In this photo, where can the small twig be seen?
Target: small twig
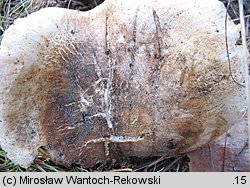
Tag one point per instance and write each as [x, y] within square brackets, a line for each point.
[211, 157]
[228, 57]
[243, 148]
[185, 169]
[238, 19]
[178, 167]
[224, 154]
[233, 9]
[172, 164]
[122, 170]
[164, 157]
[40, 168]
[247, 25]
[244, 44]
[69, 3]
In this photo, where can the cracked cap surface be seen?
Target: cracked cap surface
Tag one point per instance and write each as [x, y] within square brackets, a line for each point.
[124, 79]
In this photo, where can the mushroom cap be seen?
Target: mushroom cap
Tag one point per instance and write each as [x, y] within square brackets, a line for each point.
[128, 78]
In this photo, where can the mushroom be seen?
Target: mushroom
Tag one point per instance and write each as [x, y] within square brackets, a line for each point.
[128, 78]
